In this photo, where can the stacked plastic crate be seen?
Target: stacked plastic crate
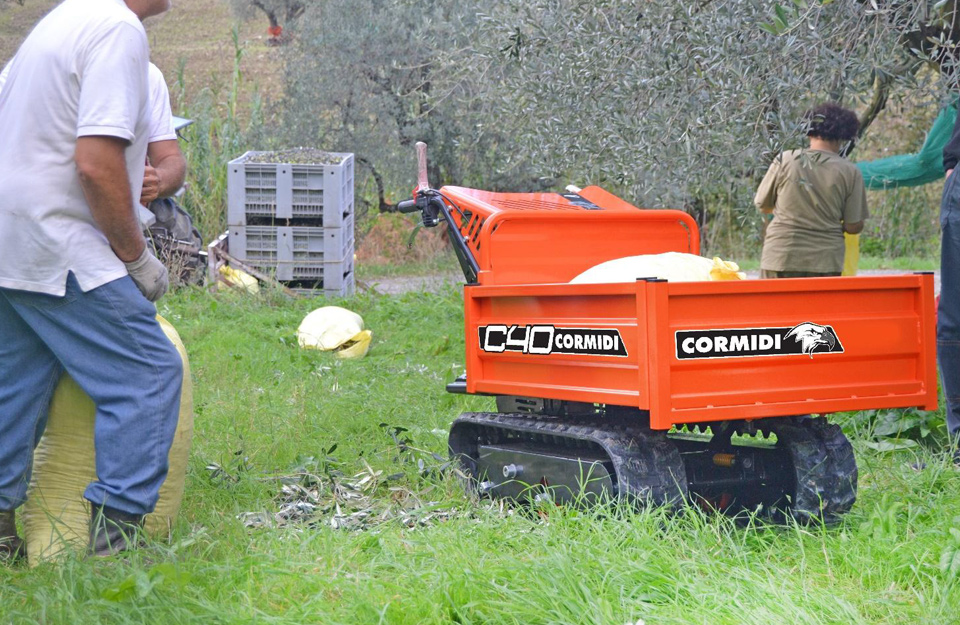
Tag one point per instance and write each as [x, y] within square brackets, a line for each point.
[290, 215]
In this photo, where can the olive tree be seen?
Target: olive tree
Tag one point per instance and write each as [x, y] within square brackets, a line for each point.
[373, 77]
[684, 103]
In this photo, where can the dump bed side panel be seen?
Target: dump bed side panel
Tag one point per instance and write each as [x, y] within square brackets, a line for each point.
[837, 344]
[708, 351]
[512, 336]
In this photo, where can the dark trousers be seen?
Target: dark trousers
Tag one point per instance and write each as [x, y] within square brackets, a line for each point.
[948, 314]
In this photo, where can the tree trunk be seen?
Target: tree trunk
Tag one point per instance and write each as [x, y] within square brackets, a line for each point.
[382, 205]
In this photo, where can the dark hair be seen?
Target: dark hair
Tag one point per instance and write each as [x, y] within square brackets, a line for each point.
[831, 122]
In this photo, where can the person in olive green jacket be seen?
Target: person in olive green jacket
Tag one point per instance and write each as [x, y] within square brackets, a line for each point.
[815, 196]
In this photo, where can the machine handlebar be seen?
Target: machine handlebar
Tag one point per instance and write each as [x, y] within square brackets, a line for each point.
[408, 206]
[433, 210]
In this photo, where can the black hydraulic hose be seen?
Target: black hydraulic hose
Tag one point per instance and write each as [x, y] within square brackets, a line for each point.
[463, 250]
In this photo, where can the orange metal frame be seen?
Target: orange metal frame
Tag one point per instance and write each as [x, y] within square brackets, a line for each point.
[530, 245]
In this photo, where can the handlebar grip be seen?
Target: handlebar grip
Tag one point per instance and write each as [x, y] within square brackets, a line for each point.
[422, 183]
[407, 206]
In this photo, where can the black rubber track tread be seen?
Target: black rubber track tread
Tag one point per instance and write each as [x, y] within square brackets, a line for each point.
[825, 470]
[647, 464]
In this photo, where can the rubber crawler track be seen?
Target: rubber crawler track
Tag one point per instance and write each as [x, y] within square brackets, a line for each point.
[825, 470]
[649, 467]
[647, 464]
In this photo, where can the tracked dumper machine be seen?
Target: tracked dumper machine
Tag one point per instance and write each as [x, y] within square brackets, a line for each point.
[657, 391]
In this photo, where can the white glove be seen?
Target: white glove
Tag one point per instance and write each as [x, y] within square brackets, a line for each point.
[149, 275]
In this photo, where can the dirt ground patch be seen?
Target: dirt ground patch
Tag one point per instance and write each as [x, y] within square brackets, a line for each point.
[197, 35]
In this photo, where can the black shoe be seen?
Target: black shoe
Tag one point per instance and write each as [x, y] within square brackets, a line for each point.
[12, 548]
[956, 458]
[113, 531]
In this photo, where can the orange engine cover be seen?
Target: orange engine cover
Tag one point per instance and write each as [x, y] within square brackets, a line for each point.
[544, 238]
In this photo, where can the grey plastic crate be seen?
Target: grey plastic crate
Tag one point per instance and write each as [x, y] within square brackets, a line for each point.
[264, 193]
[347, 289]
[295, 252]
[328, 276]
[292, 242]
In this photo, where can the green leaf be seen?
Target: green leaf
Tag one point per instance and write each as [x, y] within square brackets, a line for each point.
[890, 445]
[770, 28]
[950, 563]
[413, 235]
[782, 16]
[130, 587]
[144, 584]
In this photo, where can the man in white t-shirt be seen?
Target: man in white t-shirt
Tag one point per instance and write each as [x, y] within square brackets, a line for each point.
[166, 167]
[76, 280]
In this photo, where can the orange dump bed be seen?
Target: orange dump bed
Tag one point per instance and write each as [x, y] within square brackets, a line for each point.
[687, 352]
[709, 351]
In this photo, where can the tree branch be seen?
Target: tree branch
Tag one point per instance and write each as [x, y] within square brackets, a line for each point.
[881, 91]
[384, 206]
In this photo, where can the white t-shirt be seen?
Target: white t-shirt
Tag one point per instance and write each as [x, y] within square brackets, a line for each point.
[161, 117]
[81, 72]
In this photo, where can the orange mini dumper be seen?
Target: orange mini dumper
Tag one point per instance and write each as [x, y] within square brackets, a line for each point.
[665, 392]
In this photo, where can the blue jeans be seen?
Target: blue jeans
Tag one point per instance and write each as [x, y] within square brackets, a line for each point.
[109, 341]
[948, 314]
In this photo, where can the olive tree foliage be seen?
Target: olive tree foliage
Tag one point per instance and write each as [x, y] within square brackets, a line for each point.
[373, 77]
[680, 103]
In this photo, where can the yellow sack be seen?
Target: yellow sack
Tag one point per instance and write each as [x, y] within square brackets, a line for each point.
[240, 280]
[726, 270]
[851, 255]
[56, 516]
[334, 328]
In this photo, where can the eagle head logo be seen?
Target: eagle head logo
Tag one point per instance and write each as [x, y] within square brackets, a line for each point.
[812, 336]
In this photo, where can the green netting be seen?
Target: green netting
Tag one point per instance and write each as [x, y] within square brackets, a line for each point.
[910, 170]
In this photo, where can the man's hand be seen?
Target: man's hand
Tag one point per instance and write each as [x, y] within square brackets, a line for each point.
[149, 275]
[949, 171]
[151, 185]
[169, 165]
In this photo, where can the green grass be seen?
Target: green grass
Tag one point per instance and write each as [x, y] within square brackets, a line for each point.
[904, 263]
[445, 263]
[263, 405]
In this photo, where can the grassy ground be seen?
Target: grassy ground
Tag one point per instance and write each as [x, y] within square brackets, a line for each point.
[265, 408]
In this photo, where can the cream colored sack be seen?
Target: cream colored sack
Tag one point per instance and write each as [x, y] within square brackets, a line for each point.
[335, 328]
[56, 515]
[672, 266]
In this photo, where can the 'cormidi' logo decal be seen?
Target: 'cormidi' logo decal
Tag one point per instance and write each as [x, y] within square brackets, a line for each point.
[548, 339]
[805, 338]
